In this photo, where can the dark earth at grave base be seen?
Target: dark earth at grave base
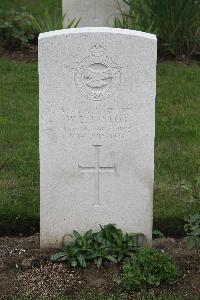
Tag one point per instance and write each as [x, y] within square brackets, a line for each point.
[29, 53]
[26, 54]
[26, 271]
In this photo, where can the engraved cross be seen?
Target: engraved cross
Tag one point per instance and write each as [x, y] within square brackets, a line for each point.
[97, 170]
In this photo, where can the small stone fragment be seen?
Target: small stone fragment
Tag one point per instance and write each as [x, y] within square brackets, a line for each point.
[27, 263]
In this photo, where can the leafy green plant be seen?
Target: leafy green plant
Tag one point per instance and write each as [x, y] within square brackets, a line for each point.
[19, 28]
[50, 23]
[176, 24]
[132, 19]
[157, 234]
[192, 189]
[15, 28]
[192, 229]
[107, 244]
[149, 267]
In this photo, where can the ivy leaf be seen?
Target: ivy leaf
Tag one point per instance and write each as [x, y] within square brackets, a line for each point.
[73, 262]
[99, 262]
[190, 242]
[81, 260]
[88, 234]
[60, 255]
[77, 235]
[111, 258]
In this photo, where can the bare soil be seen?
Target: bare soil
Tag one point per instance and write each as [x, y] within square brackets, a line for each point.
[29, 53]
[25, 271]
[26, 54]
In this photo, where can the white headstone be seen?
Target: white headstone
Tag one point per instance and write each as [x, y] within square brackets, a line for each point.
[97, 102]
[93, 12]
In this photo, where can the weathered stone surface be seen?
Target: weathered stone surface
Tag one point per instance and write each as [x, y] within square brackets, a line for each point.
[93, 13]
[97, 109]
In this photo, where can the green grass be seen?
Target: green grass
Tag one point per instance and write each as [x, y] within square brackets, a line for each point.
[19, 180]
[36, 7]
[177, 145]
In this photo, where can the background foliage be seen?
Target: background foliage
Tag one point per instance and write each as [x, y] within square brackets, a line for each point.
[50, 22]
[15, 28]
[192, 229]
[36, 7]
[175, 22]
[18, 28]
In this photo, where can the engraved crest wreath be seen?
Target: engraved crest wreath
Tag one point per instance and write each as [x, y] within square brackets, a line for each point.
[98, 77]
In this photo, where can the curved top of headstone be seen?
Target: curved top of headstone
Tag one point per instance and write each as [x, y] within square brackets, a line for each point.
[97, 30]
